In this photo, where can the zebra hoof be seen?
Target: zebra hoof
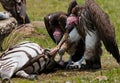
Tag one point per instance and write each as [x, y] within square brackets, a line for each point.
[32, 77]
[6, 80]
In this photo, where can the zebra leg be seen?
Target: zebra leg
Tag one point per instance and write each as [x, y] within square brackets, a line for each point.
[61, 53]
[23, 74]
[7, 70]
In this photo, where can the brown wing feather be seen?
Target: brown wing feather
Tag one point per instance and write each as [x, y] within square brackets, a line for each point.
[62, 21]
[24, 1]
[72, 4]
[104, 27]
[48, 27]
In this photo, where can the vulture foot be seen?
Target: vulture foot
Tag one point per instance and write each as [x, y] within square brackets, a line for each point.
[75, 65]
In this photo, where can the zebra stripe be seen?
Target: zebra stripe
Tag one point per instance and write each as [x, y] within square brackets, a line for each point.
[16, 49]
[25, 56]
[33, 49]
[28, 55]
[23, 50]
[38, 65]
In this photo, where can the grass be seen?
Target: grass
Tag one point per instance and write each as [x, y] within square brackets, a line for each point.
[37, 9]
[109, 73]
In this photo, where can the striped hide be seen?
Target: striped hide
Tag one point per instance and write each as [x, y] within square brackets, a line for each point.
[23, 60]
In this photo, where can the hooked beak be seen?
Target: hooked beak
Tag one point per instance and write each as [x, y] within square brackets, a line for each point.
[64, 38]
[69, 28]
[66, 27]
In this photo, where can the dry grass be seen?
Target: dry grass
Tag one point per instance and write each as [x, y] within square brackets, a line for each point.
[108, 74]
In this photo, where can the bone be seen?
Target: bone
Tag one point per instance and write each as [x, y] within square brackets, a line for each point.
[64, 38]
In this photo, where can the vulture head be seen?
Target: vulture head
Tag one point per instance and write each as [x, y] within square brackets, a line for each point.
[71, 22]
[75, 19]
[17, 8]
[55, 25]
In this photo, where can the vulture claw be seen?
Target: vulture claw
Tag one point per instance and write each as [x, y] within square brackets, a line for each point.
[74, 66]
[77, 65]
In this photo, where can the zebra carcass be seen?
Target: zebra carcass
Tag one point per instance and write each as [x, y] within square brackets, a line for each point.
[24, 60]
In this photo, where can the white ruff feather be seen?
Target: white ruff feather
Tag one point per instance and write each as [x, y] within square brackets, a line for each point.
[74, 35]
[91, 39]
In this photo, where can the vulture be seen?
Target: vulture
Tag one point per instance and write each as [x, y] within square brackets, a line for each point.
[17, 8]
[94, 26]
[56, 25]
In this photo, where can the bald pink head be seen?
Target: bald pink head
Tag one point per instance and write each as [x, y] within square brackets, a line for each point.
[71, 21]
[57, 34]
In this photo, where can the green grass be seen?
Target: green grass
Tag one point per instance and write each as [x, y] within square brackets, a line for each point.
[37, 9]
[44, 40]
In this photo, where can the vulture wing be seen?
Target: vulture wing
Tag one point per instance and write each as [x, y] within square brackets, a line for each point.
[48, 26]
[72, 4]
[24, 1]
[104, 27]
[62, 21]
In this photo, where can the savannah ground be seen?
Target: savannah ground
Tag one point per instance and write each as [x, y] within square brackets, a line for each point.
[110, 72]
